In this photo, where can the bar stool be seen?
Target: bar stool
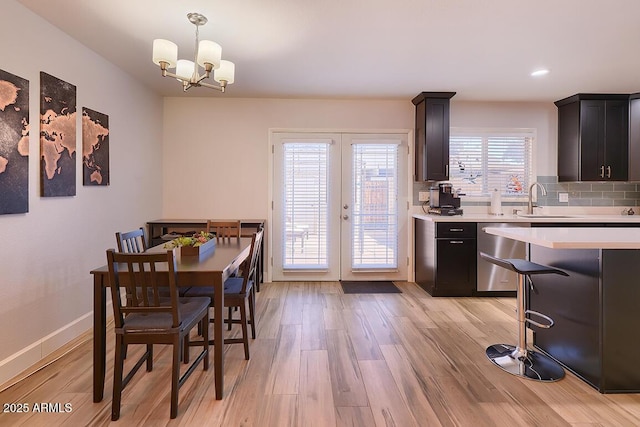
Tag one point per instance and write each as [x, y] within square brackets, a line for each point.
[517, 360]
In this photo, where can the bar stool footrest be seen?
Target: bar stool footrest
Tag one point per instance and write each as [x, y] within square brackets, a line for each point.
[542, 316]
[535, 366]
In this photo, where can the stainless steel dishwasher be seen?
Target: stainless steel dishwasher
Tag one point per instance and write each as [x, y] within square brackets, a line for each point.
[492, 278]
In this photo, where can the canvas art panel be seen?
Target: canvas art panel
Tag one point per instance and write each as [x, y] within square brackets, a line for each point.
[95, 147]
[14, 144]
[57, 137]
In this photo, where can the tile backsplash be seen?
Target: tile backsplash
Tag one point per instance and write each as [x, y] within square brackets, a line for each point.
[580, 193]
[589, 193]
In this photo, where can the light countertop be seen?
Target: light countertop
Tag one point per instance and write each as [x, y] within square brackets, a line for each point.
[572, 237]
[550, 218]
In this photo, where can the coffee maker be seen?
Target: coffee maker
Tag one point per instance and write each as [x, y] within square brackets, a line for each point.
[444, 200]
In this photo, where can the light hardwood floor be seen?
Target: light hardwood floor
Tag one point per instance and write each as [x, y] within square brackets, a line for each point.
[323, 358]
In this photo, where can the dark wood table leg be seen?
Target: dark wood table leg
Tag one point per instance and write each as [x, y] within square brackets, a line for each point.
[218, 336]
[99, 337]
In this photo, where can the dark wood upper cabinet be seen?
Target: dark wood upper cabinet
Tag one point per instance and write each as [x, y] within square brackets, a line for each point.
[634, 137]
[593, 137]
[432, 136]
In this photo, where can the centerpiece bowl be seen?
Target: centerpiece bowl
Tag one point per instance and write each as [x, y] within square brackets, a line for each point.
[193, 245]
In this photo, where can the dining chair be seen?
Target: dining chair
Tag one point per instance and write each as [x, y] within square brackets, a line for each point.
[238, 291]
[146, 317]
[258, 277]
[224, 230]
[131, 241]
[134, 242]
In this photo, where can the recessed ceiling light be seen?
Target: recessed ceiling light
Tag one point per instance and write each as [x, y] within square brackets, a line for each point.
[539, 73]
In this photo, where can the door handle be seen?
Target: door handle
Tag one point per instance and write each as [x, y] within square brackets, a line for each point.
[345, 217]
[608, 171]
[602, 171]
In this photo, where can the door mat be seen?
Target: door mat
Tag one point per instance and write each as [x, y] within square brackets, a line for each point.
[369, 287]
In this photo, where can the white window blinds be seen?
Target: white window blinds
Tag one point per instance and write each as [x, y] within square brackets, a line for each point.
[306, 203]
[375, 206]
[481, 161]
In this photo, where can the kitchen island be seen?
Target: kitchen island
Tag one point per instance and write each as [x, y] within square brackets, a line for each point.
[596, 309]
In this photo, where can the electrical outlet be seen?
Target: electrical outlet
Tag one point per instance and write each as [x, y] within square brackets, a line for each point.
[563, 197]
[423, 196]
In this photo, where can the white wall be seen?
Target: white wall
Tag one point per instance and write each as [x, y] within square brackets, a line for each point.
[216, 150]
[47, 253]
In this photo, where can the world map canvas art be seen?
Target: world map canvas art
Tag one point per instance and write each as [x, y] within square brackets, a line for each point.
[57, 137]
[14, 144]
[95, 147]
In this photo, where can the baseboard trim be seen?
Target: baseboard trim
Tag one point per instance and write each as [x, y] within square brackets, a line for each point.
[47, 350]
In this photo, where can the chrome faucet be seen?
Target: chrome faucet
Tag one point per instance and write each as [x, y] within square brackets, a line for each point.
[530, 204]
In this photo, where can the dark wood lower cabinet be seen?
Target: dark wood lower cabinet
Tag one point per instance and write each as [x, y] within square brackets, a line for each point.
[445, 257]
[456, 267]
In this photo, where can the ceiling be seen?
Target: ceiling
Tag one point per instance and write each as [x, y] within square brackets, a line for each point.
[484, 50]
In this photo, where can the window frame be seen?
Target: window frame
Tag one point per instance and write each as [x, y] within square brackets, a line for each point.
[485, 133]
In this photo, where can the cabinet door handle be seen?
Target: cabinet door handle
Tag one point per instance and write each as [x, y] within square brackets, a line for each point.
[456, 229]
[456, 242]
[446, 170]
[608, 171]
[602, 171]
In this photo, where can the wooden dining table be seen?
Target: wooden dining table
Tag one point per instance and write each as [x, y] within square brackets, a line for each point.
[210, 268]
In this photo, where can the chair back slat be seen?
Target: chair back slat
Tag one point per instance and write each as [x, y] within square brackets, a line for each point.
[224, 230]
[251, 274]
[142, 275]
[131, 241]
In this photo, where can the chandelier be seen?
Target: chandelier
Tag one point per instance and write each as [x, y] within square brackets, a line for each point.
[207, 55]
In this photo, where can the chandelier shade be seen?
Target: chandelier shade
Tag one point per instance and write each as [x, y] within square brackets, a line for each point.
[184, 69]
[208, 55]
[226, 72]
[165, 51]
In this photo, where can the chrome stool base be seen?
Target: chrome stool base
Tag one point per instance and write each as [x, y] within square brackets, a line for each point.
[534, 366]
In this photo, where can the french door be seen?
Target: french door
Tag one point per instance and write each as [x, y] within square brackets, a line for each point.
[339, 206]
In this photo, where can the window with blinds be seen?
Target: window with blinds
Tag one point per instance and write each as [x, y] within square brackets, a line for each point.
[375, 206]
[306, 205]
[484, 160]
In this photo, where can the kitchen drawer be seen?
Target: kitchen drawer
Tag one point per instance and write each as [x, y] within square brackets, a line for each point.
[448, 230]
